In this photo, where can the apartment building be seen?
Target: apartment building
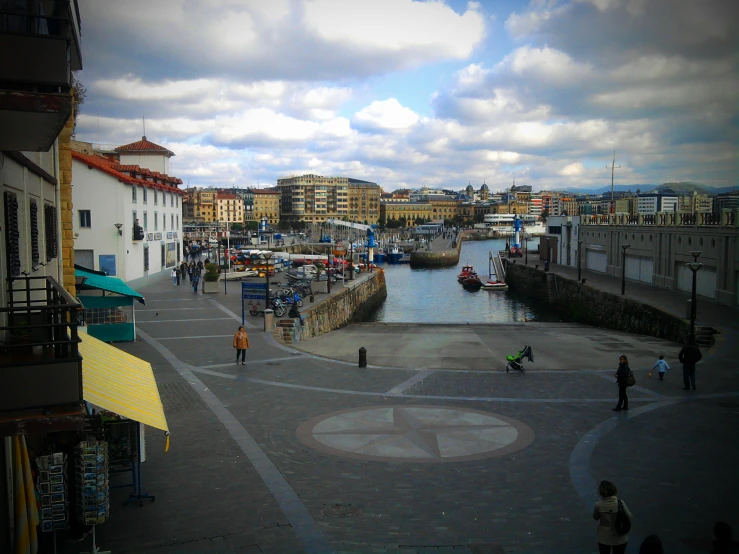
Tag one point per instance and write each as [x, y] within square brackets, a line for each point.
[653, 203]
[313, 198]
[364, 201]
[410, 211]
[695, 203]
[229, 207]
[267, 205]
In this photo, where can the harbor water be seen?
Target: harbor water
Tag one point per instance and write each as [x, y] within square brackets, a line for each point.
[435, 296]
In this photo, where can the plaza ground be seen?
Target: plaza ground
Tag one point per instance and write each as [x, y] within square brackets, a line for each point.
[249, 469]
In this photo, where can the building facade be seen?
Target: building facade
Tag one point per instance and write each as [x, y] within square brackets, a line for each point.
[229, 207]
[407, 211]
[127, 218]
[267, 205]
[364, 202]
[313, 198]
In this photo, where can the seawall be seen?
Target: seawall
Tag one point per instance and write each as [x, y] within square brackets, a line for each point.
[353, 302]
[440, 258]
[581, 303]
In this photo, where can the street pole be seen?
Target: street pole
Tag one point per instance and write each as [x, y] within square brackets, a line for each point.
[267, 257]
[623, 268]
[694, 267]
[579, 257]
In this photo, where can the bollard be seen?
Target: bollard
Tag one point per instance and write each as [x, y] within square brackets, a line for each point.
[312, 299]
[269, 319]
[363, 357]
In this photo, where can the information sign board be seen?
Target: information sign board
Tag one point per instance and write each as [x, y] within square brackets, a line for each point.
[253, 296]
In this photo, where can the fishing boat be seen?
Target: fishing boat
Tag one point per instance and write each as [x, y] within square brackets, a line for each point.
[472, 282]
[394, 254]
[380, 256]
[466, 272]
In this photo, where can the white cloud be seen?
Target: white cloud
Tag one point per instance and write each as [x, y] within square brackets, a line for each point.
[572, 169]
[427, 28]
[386, 114]
[545, 64]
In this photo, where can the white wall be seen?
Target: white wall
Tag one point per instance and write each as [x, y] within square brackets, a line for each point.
[154, 162]
[110, 202]
[564, 243]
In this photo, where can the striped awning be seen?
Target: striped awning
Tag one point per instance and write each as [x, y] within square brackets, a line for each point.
[121, 383]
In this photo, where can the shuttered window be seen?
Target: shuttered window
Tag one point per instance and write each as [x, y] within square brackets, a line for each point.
[12, 235]
[146, 257]
[35, 256]
[50, 221]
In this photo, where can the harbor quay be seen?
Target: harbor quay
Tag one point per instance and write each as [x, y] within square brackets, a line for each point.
[433, 447]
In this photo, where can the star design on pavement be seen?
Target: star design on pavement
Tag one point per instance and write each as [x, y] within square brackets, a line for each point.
[413, 432]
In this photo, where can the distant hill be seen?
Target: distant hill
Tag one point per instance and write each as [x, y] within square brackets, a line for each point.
[679, 187]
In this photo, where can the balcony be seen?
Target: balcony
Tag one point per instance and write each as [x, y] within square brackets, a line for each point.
[39, 49]
[41, 366]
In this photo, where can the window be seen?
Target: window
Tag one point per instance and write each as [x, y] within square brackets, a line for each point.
[50, 221]
[133, 193]
[178, 221]
[146, 221]
[156, 221]
[146, 252]
[12, 235]
[171, 200]
[171, 220]
[135, 218]
[156, 198]
[164, 222]
[143, 191]
[85, 219]
[35, 257]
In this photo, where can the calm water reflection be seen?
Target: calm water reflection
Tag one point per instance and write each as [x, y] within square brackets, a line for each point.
[435, 296]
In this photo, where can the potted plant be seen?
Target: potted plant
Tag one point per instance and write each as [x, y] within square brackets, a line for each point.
[319, 285]
[210, 279]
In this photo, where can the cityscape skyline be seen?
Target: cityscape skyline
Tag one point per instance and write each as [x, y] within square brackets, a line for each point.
[407, 93]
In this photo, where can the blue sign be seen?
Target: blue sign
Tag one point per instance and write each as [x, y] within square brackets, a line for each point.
[253, 298]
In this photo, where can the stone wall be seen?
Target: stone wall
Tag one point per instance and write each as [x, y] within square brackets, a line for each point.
[444, 258]
[353, 302]
[66, 210]
[581, 303]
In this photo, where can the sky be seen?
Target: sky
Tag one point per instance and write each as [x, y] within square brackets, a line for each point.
[419, 93]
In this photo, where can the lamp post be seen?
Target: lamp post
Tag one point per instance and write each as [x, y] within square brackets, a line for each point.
[579, 258]
[526, 240]
[694, 266]
[624, 247]
[267, 257]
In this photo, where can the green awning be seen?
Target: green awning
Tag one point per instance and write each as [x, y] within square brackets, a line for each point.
[107, 284]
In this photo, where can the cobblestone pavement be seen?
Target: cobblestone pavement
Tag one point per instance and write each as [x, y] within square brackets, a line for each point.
[238, 478]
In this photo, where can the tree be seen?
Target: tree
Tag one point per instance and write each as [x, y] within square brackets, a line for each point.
[251, 226]
[237, 227]
[479, 217]
[402, 222]
[545, 214]
[79, 93]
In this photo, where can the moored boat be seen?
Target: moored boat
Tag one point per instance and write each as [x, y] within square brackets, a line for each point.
[495, 285]
[394, 254]
[465, 273]
[472, 282]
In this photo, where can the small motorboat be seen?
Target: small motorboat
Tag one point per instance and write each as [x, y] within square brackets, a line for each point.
[467, 271]
[495, 285]
[472, 282]
[394, 254]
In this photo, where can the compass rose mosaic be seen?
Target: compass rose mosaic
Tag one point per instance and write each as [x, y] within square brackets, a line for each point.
[430, 434]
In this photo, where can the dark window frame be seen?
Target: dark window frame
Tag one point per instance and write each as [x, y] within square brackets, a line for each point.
[85, 217]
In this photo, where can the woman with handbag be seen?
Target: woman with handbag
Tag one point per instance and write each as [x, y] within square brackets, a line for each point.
[622, 379]
[614, 520]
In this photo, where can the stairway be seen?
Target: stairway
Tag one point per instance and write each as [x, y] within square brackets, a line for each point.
[552, 287]
[704, 336]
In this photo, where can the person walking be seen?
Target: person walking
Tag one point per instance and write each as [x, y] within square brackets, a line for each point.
[689, 356]
[604, 512]
[179, 275]
[183, 270]
[661, 366]
[190, 270]
[174, 277]
[241, 343]
[195, 281]
[622, 379]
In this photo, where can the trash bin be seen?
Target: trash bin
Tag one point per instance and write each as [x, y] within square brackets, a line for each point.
[269, 320]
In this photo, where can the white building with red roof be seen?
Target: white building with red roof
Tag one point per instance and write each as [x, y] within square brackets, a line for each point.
[127, 210]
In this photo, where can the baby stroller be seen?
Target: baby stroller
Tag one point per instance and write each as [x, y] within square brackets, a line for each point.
[516, 361]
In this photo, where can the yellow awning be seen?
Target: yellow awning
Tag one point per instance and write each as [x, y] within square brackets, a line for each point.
[120, 382]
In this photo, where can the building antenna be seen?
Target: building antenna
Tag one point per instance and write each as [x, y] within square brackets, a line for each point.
[614, 167]
[143, 119]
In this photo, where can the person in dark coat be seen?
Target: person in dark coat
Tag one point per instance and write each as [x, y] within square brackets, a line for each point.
[689, 356]
[622, 378]
[183, 270]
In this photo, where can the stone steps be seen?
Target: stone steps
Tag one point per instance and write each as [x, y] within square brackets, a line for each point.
[552, 287]
[285, 330]
[704, 336]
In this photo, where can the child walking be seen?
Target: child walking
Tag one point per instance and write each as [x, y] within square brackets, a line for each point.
[661, 366]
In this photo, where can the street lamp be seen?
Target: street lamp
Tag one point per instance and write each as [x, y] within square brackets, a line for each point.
[694, 266]
[623, 268]
[579, 264]
[267, 257]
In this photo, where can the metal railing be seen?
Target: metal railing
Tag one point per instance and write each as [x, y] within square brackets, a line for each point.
[40, 313]
[725, 218]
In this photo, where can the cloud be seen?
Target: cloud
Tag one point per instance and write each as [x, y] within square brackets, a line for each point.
[572, 169]
[385, 115]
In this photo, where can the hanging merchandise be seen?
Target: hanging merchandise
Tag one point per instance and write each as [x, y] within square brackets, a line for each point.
[91, 478]
[52, 489]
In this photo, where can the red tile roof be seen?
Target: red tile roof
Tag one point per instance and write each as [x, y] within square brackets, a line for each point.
[146, 146]
[126, 173]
